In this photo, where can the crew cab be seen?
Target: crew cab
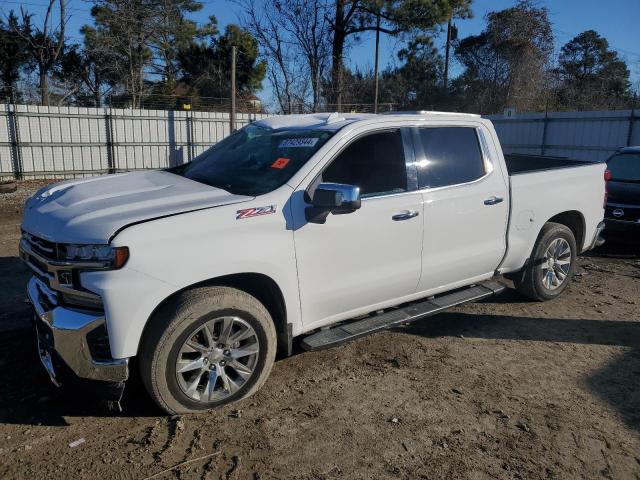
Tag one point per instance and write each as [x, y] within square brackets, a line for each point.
[320, 228]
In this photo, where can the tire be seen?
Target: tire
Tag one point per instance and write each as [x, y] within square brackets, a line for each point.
[189, 320]
[534, 281]
[8, 187]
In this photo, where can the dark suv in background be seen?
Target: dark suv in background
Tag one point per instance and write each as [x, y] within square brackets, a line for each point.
[622, 213]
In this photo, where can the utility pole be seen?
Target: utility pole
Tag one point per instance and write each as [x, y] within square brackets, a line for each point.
[446, 55]
[233, 89]
[375, 72]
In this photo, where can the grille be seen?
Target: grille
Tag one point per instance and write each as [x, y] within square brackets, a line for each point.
[629, 213]
[41, 246]
[61, 279]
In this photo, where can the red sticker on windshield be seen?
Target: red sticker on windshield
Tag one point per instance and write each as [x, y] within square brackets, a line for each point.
[280, 163]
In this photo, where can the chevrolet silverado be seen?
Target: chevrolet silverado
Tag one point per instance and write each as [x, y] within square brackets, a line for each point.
[321, 227]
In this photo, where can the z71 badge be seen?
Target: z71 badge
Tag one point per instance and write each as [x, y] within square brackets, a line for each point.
[255, 212]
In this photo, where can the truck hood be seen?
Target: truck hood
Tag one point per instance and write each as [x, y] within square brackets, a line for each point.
[93, 210]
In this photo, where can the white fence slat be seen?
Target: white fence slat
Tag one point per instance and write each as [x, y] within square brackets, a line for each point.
[591, 136]
[61, 142]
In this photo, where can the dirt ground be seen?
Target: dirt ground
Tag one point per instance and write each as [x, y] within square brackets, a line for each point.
[502, 389]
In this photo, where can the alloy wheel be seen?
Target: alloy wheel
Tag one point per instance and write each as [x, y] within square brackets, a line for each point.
[556, 264]
[217, 359]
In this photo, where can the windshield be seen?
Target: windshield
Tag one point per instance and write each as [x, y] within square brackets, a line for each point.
[625, 167]
[254, 160]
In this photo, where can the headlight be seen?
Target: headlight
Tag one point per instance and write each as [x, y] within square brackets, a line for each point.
[116, 256]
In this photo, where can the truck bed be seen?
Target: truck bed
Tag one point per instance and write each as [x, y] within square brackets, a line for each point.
[518, 163]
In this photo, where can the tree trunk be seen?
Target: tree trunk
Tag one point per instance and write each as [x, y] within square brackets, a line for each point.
[337, 51]
[96, 91]
[315, 85]
[44, 87]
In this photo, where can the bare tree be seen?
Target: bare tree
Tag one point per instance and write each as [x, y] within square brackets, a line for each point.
[264, 24]
[45, 44]
[307, 22]
[289, 31]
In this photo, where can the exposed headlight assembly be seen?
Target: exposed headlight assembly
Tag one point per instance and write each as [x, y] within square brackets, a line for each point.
[116, 257]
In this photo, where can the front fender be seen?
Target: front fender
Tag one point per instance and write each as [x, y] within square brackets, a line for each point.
[170, 254]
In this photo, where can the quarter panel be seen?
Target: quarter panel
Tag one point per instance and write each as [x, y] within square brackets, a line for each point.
[539, 196]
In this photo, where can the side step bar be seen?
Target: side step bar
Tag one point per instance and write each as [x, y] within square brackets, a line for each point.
[346, 332]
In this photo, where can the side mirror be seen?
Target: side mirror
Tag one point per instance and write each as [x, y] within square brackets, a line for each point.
[336, 198]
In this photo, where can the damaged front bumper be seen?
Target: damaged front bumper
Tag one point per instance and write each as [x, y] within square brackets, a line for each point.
[65, 334]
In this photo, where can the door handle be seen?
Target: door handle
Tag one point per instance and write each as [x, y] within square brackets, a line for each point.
[405, 215]
[493, 200]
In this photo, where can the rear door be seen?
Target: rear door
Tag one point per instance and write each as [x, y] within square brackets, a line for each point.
[466, 206]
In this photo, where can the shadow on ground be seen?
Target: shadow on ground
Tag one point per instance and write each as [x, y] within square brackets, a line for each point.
[27, 396]
[618, 246]
[14, 312]
[618, 383]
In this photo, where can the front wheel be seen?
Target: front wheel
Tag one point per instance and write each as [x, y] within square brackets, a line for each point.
[551, 265]
[207, 347]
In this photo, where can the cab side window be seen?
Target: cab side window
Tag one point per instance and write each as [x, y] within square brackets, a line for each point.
[375, 163]
[452, 156]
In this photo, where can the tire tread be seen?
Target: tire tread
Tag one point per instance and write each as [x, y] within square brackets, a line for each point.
[526, 281]
[171, 317]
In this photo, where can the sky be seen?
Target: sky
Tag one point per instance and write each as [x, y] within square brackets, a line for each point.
[616, 20]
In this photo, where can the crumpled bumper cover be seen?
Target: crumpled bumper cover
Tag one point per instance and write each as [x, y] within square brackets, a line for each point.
[63, 331]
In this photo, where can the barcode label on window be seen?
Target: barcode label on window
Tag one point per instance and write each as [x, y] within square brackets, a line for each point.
[298, 143]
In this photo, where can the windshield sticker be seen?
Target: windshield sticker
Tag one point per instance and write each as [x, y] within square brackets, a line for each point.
[255, 212]
[298, 142]
[280, 163]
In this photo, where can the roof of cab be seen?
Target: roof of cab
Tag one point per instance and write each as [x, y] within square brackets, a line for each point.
[335, 121]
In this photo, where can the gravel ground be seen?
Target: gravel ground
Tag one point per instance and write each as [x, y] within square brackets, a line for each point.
[505, 388]
[11, 203]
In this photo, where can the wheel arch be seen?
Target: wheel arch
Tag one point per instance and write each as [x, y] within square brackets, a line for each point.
[260, 286]
[574, 221]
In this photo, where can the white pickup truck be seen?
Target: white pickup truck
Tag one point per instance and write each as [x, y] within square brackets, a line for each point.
[323, 226]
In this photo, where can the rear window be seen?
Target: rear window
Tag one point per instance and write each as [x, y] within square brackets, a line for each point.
[451, 156]
[625, 167]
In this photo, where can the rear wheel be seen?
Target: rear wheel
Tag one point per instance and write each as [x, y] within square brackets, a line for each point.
[551, 265]
[207, 347]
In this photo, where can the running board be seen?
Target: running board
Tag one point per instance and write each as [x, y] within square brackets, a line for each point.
[346, 332]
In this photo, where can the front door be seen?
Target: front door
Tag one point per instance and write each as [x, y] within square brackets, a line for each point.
[356, 262]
